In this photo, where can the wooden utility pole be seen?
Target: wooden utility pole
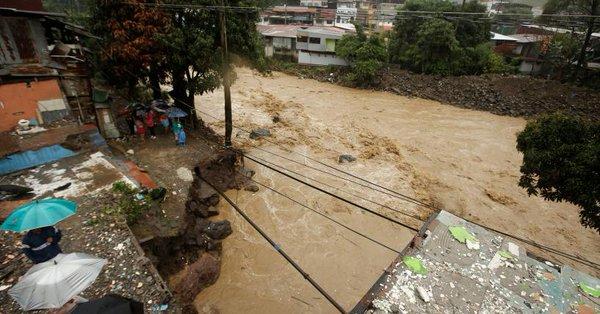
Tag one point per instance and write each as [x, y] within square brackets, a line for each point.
[226, 82]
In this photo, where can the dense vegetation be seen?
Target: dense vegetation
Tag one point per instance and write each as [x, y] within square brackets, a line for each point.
[443, 45]
[366, 56]
[561, 162]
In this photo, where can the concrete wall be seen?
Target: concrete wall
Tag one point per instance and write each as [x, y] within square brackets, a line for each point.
[21, 101]
[317, 58]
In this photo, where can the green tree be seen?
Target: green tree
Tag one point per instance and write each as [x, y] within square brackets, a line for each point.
[129, 52]
[560, 53]
[583, 7]
[436, 48]
[442, 44]
[365, 55]
[193, 48]
[561, 162]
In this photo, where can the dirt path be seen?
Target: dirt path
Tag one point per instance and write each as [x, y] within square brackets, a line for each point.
[464, 161]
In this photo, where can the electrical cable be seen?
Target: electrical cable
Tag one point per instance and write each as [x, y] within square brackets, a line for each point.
[278, 248]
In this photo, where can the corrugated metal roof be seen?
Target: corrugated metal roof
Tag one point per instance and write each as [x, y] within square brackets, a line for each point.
[32, 158]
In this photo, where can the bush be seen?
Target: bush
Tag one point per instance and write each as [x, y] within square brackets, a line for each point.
[561, 162]
[131, 204]
[365, 55]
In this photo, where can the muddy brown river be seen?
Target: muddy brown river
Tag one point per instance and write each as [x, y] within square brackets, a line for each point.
[462, 160]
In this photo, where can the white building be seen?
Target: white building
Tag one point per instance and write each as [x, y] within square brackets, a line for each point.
[316, 45]
[346, 11]
[314, 3]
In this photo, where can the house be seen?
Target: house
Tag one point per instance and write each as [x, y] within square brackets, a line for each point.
[41, 55]
[280, 41]
[528, 49]
[292, 15]
[316, 45]
[303, 44]
[346, 12]
[314, 3]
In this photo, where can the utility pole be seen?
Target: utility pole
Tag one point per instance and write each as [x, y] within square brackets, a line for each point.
[226, 82]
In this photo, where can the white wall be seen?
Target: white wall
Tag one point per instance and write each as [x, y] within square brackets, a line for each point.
[305, 57]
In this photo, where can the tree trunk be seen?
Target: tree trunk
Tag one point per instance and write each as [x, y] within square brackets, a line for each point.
[191, 106]
[154, 78]
[179, 90]
[586, 43]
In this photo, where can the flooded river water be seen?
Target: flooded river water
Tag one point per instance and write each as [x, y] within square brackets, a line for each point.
[464, 161]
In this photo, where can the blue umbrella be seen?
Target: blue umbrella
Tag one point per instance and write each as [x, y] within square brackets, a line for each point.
[37, 214]
[175, 112]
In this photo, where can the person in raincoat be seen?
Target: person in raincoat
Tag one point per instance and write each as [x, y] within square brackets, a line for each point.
[41, 244]
[181, 137]
[176, 127]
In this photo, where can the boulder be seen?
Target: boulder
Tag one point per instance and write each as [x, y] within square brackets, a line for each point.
[202, 273]
[252, 188]
[258, 133]
[346, 158]
[217, 230]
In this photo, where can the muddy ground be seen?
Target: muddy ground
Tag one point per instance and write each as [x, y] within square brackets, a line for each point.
[511, 95]
[464, 161]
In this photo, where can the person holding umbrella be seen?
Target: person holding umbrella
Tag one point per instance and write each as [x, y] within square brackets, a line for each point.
[41, 244]
[38, 218]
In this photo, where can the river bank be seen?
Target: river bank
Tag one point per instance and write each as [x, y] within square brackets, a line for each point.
[510, 95]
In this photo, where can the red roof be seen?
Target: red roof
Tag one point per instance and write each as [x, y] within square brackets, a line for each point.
[23, 5]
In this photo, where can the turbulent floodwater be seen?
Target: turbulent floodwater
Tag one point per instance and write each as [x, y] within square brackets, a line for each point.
[464, 161]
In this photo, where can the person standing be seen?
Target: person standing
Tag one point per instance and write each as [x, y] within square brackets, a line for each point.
[181, 138]
[149, 119]
[164, 121]
[41, 244]
[140, 130]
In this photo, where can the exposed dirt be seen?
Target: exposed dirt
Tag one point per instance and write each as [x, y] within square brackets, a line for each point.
[512, 95]
[462, 160]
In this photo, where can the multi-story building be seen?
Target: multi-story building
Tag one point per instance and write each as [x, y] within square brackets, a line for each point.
[316, 45]
[314, 3]
[346, 11]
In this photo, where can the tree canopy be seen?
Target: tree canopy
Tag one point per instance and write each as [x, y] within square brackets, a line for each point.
[436, 44]
[365, 55]
[561, 162]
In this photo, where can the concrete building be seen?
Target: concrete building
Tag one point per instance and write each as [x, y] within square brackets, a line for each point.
[291, 15]
[346, 12]
[316, 45]
[314, 3]
[280, 41]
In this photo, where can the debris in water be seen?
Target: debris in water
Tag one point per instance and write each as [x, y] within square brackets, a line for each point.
[423, 294]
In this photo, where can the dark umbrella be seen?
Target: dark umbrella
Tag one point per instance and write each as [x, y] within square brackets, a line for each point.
[175, 112]
[110, 304]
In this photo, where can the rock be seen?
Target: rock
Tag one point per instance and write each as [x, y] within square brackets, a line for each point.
[130, 151]
[198, 275]
[276, 118]
[258, 133]
[215, 230]
[212, 200]
[185, 174]
[247, 172]
[206, 212]
[252, 188]
[346, 158]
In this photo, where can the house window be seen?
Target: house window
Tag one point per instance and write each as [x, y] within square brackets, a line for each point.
[302, 39]
[315, 40]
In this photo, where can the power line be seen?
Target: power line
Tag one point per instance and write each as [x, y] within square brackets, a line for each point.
[278, 248]
[325, 216]
[334, 195]
[340, 189]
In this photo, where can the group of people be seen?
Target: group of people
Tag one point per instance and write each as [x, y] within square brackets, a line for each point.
[144, 124]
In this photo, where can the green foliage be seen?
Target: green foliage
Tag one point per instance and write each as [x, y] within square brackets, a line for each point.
[365, 55]
[561, 162]
[560, 54]
[436, 45]
[130, 204]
